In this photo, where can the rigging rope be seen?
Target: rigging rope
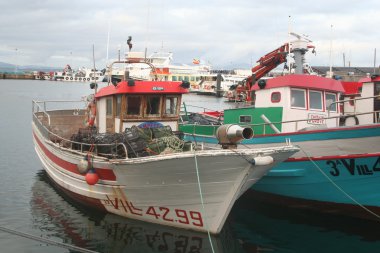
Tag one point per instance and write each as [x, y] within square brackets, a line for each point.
[337, 186]
[45, 240]
[201, 197]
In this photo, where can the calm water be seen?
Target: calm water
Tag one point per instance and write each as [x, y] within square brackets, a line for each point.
[29, 204]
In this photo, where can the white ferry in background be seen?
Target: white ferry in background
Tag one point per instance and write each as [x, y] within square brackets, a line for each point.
[81, 75]
[208, 84]
[164, 69]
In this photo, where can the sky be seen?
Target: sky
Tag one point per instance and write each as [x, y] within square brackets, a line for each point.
[224, 34]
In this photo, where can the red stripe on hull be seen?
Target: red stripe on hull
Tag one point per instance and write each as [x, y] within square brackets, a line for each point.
[302, 159]
[104, 174]
[80, 199]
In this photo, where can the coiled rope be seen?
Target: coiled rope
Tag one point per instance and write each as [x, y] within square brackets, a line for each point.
[337, 186]
[45, 240]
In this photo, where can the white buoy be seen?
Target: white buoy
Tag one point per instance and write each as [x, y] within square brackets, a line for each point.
[263, 160]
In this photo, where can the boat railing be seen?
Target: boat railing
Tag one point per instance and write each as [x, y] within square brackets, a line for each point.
[351, 100]
[42, 118]
[130, 61]
[262, 127]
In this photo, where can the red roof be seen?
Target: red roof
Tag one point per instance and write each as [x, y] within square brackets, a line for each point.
[143, 87]
[303, 81]
[352, 88]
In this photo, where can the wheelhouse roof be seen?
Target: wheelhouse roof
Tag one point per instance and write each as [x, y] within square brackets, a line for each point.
[142, 87]
[303, 81]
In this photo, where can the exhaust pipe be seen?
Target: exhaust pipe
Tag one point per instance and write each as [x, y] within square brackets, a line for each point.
[229, 135]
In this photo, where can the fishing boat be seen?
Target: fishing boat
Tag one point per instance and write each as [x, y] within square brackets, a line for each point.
[338, 166]
[128, 158]
[81, 75]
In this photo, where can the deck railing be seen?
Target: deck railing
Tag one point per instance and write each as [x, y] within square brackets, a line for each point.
[267, 125]
[44, 119]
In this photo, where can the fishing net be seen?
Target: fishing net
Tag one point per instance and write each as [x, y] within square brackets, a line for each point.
[135, 141]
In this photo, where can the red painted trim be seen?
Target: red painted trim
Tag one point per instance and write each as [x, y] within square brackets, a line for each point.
[303, 81]
[335, 157]
[320, 131]
[104, 174]
[143, 87]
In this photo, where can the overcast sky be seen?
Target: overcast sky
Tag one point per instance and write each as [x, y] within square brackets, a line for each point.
[224, 33]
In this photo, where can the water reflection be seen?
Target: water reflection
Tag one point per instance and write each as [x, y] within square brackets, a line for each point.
[61, 220]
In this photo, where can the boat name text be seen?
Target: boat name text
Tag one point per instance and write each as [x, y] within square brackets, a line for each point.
[157, 212]
[353, 167]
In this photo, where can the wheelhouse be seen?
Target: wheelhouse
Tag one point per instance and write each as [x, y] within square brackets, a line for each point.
[141, 103]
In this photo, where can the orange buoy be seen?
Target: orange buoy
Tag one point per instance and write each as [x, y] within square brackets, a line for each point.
[92, 177]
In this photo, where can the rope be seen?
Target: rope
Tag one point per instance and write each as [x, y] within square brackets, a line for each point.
[45, 240]
[339, 188]
[201, 197]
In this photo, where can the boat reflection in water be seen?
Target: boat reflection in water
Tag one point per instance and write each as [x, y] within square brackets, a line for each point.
[61, 220]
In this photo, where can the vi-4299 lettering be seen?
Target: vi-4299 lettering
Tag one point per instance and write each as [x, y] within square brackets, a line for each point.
[355, 167]
[157, 212]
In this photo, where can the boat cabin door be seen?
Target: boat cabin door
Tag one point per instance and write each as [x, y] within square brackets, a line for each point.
[110, 115]
[376, 104]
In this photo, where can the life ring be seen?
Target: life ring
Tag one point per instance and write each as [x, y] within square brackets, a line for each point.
[91, 113]
[67, 78]
[349, 120]
[71, 78]
[88, 79]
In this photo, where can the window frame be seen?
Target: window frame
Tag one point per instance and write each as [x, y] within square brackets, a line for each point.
[322, 96]
[305, 99]
[176, 109]
[275, 93]
[126, 115]
[159, 106]
[336, 105]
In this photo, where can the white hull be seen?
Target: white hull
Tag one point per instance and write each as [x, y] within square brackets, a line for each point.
[162, 189]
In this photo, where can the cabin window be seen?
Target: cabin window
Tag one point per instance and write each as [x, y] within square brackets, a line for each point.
[298, 98]
[192, 78]
[198, 78]
[315, 100]
[133, 105]
[180, 78]
[118, 105]
[109, 106]
[330, 99]
[171, 106]
[275, 97]
[174, 78]
[153, 105]
[245, 119]
[187, 78]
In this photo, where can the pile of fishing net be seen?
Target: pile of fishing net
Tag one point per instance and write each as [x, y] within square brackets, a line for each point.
[137, 142]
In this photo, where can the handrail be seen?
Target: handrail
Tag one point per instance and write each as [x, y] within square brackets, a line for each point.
[348, 100]
[71, 143]
[285, 122]
[82, 144]
[35, 103]
[131, 61]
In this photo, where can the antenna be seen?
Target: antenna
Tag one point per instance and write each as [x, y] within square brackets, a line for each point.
[330, 74]
[94, 70]
[374, 63]
[108, 41]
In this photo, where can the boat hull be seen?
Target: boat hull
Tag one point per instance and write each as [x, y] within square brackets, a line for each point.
[337, 170]
[161, 189]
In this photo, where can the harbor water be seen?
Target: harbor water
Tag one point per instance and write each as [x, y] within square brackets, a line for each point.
[34, 215]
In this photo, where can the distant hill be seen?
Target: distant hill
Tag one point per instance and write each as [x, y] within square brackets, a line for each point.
[6, 67]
